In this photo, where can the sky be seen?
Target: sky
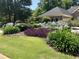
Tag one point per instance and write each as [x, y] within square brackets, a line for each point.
[34, 4]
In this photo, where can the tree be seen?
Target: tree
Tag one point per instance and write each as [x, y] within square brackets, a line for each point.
[67, 4]
[46, 5]
[10, 8]
[23, 14]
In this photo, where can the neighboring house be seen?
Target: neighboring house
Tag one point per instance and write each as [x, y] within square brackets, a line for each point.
[74, 11]
[76, 2]
[58, 13]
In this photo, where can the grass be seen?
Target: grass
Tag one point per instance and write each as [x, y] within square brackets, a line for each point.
[23, 47]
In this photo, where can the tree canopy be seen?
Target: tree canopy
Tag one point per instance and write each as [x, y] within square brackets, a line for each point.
[46, 5]
[14, 8]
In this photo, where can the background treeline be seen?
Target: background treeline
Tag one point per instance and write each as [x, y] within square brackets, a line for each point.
[13, 10]
[45, 5]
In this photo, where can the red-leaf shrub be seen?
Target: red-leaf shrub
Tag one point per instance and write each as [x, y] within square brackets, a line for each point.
[40, 32]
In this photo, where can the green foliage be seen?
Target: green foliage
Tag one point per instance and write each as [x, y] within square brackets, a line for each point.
[25, 2]
[34, 20]
[35, 25]
[66, 3]
[11, 9]
[22, 26]
[37, 12]
[11, 30]
[64, 41]
[2, 19]
[23, 14]
[46, 5]
[46, 19]
[74, 23]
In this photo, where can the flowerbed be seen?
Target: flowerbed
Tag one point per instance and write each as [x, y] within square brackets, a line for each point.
[39, 32]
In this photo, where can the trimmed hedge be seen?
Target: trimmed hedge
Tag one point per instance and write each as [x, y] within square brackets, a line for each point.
[39, 32]
[11, 30]
[64, 41]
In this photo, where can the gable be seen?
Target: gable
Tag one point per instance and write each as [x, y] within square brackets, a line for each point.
[73, 9]
[57, 11]
[76, 13]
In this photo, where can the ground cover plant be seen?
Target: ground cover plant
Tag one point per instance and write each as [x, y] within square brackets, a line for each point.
[40, 32]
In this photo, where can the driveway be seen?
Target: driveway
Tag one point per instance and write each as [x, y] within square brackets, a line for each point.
[3, 57]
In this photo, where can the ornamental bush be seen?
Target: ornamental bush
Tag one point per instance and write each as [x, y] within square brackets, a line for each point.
[39, 32]
[74, 23]
[22, 26]
[11, 30]
[64, 41]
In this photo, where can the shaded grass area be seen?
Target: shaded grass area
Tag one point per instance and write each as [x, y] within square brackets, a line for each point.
[23, 47]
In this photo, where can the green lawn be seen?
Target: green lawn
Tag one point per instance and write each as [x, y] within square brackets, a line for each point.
[23, 47]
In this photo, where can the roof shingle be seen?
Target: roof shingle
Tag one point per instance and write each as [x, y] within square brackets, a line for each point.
[73, 9]
[56, 12]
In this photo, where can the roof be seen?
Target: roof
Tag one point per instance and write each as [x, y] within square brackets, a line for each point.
[56, 12]
[73, 9]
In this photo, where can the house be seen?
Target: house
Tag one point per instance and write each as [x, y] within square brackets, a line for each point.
[75, 2]
[58, 13]
[74, 11]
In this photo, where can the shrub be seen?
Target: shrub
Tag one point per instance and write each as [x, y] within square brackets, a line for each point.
[2, 19]
[11, 29]
[22, 26]
[64, 41]
[40, 32]
[35, 26]
[74, 23]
